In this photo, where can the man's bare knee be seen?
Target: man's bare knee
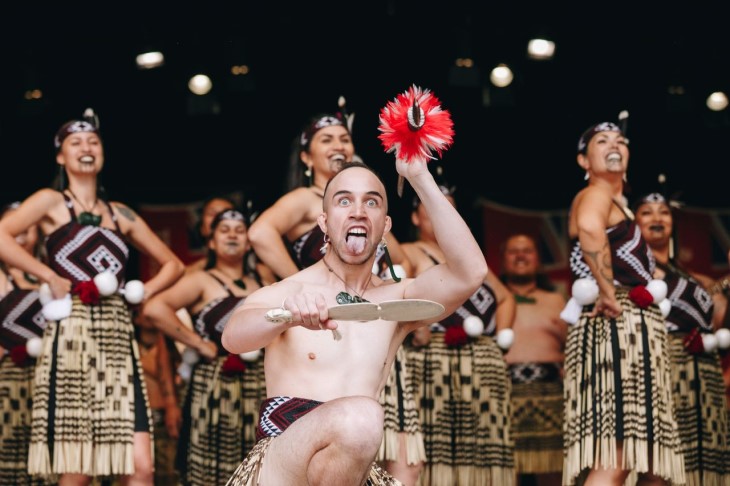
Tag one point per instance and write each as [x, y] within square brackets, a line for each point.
[358, 423]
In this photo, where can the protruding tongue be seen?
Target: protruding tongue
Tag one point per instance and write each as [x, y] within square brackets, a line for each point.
[355, 243]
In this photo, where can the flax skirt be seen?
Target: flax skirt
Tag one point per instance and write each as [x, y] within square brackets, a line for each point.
[702, 415]
[89, 396]
[401, 414]
[537, 417]
[617, 391]
[463, 394]
[220, 416]
[16, 393]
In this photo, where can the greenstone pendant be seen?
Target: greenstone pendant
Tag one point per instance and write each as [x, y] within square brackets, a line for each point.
[89, 219]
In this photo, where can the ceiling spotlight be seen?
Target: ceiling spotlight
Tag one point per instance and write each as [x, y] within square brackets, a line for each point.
[717, 101]
[150, 60]
[540, 49]
[33, 94]
[501, 76]
[200, 84]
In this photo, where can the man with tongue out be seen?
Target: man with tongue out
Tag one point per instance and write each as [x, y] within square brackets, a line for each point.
[322, 422]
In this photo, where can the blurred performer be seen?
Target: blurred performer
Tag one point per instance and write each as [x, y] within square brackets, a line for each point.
[462, 385]
[221, 407]
[21, 326]
[535, 363]
[619, 410]
[90, 413]
[698, 388]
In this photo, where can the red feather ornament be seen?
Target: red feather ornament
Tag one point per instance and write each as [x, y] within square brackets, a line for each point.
[415, 127]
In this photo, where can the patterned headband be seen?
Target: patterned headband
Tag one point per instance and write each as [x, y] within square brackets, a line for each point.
[74, 126]
[652, 198]
[315, 126]
[228, 214]
[597, 128]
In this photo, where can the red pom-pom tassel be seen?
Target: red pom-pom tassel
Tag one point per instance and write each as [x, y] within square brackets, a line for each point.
[87, 291]
[693, 342]
[233, 365]
[19, 355]
[455, 336]
[641, 297]
[414, 126]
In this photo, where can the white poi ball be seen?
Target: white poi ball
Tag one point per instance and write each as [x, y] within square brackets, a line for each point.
[190, 356]
[709, 342]
[665, 305]
[251, 355]
[33, 346]
[106, 282]
[505, 338]
[185, 371]
[473, 326]
[57, 309]
[44, 293]
[585, 291]
[572, 311]
[723, 338]
[134, 291]
[658, 289]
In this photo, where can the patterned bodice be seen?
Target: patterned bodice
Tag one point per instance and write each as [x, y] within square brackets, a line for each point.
[631, 258]
[306, 250]
[212, 318]
[482, 304]
[80, 252]
[21, 316]
[692, 306]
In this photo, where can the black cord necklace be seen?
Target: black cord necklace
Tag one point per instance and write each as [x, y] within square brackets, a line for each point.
[86, 217]
[344, 297]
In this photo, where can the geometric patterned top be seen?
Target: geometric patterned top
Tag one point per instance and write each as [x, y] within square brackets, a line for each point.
[482, 304]
[692, 306]
[210, 321]
[632, 261]
[80, 252]
[21, 316]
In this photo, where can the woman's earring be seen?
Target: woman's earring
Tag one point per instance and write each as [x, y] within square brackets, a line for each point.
[587, 176]
[308, 173]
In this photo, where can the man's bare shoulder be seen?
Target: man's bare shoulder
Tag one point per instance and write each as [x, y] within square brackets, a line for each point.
[274, 294]
[389, 289]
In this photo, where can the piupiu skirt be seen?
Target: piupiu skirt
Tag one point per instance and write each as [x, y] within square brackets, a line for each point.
[220, 416]
[89, 394]
[16, 395]
[702, 415]
[401, 415]
[618, 391]
[537, 417]
[463, 395]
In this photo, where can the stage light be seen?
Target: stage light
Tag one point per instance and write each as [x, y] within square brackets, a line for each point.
[540, 49]
[717, 101]
[33, 94]
[501, 76]
[200, 84]
[150, 60]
